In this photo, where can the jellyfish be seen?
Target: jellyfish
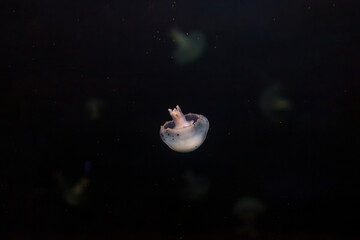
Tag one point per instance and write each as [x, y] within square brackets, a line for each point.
[275, 103]
[196, 186]
[73, 194]
[184, 133]
[93, 106]
[248, 209]
[76, 193]
[189, 46]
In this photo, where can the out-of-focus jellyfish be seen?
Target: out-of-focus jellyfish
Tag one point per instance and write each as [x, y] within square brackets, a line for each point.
[93, 106]
[75, 194]
[189, 46]
[196, 186]
[184, 133]
[248, 209]
[275, 103]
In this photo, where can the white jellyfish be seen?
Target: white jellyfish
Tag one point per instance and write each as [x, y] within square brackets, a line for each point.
[184, 133]
[189, 46]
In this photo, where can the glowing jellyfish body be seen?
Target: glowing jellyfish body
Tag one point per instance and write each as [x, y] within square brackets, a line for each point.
[184, 133]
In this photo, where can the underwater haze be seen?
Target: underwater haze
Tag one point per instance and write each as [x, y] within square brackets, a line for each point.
[268, 149]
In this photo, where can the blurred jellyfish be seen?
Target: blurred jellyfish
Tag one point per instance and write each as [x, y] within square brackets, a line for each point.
[275, 103]
[189, 46]
[93, 106]
[196, 188]
[75, 194]
[247, 209]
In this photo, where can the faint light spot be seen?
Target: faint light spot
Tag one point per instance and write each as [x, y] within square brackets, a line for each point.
[276, 103]
[189, 46]
[197, 187]
[93, 106]
[248, 209]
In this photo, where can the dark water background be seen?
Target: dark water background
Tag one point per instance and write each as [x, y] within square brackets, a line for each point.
[57, 56]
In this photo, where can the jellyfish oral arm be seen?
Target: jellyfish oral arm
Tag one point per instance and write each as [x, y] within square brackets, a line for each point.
[179, 118]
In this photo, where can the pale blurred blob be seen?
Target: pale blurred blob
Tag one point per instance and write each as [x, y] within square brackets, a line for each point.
[75, 194]
[248, 209]
[189, 46]
[94, 107]
[275, 103]
[197, 187]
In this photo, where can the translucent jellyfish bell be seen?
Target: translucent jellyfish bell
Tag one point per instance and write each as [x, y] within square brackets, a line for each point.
[184, 133]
